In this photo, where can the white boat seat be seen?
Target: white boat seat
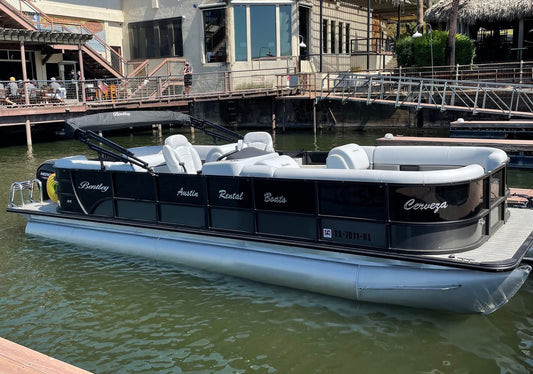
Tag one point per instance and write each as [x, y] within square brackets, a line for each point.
[348, 156]
[180, 155]
[259, 139]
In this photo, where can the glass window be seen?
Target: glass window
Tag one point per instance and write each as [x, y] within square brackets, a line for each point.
[325, 36]
[263, 30]
[333, 46]
[215, 35]
[340, 36]
[241, 47]
[157, 38]
[347, 38]
[285, 30]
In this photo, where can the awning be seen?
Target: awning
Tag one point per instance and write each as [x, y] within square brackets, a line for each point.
[124, 119]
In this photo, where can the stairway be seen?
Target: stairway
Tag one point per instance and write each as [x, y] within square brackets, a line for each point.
[24, 14]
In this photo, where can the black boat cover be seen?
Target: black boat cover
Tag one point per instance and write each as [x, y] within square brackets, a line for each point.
[123, 119]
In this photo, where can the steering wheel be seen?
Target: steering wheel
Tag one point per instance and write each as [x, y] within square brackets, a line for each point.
[222, 157]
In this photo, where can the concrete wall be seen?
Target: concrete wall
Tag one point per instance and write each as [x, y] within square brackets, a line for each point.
[294, 113]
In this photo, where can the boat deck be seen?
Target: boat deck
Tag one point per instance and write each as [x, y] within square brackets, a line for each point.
[14, 358]
[503, 245]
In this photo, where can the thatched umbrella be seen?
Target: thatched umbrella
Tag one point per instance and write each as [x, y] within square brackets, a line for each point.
[485, 11]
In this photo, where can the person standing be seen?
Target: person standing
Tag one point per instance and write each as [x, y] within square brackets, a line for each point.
[187, 78]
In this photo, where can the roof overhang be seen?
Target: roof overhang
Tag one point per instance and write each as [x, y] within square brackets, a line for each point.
[42, 37]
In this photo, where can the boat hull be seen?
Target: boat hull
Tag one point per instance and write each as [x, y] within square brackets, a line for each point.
[351, 276]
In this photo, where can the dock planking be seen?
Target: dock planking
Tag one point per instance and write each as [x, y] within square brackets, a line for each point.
[15, 358]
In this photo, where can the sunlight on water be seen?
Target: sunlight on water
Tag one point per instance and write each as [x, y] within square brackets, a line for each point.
[109, 313]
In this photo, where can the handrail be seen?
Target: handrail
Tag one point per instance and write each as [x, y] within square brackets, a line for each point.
[166, 62]
[142, 65]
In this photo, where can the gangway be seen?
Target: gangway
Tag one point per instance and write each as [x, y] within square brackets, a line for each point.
[508, 99]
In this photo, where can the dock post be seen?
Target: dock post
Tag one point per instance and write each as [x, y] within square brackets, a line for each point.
[274, 114]
[314, 117]
[28, 133]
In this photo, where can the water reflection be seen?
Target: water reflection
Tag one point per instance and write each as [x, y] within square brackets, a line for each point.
[114, 314]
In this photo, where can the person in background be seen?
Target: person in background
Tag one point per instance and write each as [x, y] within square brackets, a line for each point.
[32, 90]
[187, 78]
[13, 90]
[58, 92]
[3, 96]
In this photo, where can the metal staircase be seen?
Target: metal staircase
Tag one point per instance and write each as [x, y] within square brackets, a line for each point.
[508, 99]
[101, 60]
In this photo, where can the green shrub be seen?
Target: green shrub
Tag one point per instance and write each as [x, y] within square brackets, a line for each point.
[417, 51]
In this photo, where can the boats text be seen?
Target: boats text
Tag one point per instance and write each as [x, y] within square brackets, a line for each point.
[274, 199]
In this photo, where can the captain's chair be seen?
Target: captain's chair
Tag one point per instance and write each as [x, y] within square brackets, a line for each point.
[180, 155]
[259, 139]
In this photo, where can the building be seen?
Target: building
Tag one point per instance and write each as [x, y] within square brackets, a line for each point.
[141, 36]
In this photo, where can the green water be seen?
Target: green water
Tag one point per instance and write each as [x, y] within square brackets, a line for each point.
[114, 314]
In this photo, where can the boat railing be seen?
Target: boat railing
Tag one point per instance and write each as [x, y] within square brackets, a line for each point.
[26, 190]
[214, 130]
[109, 150]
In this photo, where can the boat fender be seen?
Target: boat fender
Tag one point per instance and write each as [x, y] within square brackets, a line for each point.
[51, 186]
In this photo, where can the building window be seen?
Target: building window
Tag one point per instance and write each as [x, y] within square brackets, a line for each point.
[325, 36]
[333, 37]
[157, 38]
[347, 38]
[263, 30]
[340, 36]
[268, 28]
[285, 30]
[241, 46]
[215, 35]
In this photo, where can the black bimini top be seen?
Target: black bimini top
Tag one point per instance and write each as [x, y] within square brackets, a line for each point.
[123, 119]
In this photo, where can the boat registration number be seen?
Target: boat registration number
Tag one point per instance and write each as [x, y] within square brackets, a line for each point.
[346, 234]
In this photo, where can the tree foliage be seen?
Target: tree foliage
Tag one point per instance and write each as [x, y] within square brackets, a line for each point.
[417, 51]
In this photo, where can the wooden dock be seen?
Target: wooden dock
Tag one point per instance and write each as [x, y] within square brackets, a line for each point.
[519, 197]
[14, 358]
[492, 129]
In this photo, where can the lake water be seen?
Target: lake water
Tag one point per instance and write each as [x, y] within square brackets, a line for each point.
[114, 314]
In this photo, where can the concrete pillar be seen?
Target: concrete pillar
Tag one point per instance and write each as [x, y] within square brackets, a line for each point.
[24, 72]
[28, 134]
[273, 113]
[80, 58]
[520, 39]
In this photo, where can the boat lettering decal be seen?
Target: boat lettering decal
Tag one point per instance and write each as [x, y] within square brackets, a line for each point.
[326, 233]
[435, 207]
[190, 193]
[274, 199]
[223, 194]
[121, 114]
[96, 187]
